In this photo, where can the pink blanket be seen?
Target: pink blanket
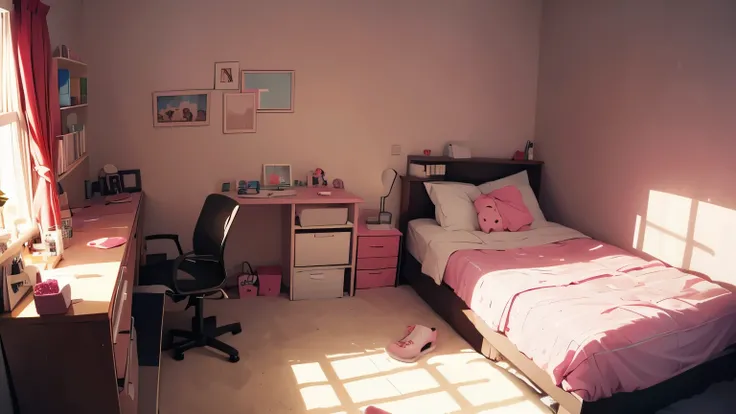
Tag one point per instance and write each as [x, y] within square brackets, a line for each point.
[597, 319]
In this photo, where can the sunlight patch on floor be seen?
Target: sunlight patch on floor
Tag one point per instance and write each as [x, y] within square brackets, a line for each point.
[319, 396]
[439, 402]
[308, 373]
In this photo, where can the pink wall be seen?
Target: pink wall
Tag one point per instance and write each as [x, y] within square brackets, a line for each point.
[636, 116]
[368, 74]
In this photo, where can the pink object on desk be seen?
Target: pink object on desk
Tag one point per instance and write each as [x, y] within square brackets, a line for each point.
[107, 242]
[49, 299]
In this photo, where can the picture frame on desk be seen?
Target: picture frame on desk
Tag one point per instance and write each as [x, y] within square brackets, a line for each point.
[131, 181]
[276, 175]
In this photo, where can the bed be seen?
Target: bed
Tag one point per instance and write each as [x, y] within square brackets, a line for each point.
[447, 269]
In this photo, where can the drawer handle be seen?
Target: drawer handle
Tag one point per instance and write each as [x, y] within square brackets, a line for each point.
[376, 246]
[317, 276]
[323, 235]
[374, 273]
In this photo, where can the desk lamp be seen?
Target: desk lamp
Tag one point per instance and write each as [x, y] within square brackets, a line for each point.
[383, 221]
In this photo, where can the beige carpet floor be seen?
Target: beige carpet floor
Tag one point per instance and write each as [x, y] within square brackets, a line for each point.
[327, 357]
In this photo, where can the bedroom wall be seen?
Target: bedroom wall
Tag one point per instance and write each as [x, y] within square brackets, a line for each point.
[635, 121]
[368, 75]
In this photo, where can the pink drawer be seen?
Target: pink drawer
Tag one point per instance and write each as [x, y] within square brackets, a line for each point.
[367, 279]
[371, 263]
[378, 246]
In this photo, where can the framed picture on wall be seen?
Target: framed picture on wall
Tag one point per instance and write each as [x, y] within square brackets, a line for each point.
[227, 75]
[239, 112]
[181, 108]
[275, 87]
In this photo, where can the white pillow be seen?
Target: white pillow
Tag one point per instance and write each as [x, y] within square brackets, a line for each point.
[520, 181]
[454, 209]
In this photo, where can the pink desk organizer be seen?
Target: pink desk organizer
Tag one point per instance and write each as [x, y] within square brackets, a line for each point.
[269, 280]
[54, 303]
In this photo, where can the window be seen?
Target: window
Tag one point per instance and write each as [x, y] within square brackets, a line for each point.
[15, 171]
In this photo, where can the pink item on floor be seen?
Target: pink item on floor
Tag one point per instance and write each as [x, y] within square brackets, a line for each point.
[107, 242]
[419, 340]
[373, 410]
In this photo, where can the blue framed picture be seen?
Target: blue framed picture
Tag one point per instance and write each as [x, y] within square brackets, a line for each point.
[181, 108]
[275, 89]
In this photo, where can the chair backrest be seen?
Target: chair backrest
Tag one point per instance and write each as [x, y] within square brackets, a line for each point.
[213, 225]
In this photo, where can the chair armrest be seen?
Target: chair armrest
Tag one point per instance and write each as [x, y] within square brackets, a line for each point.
[172, 237]
[189, 256]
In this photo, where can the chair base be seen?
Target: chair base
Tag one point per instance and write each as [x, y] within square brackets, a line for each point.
[204, 333]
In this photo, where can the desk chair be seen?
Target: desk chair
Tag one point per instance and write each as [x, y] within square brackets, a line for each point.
[198, 274]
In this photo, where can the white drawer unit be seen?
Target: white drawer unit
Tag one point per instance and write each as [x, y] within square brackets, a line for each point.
[322, 249]
[318, 283]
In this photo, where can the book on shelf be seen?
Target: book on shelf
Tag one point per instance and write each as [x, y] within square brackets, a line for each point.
[72, 146]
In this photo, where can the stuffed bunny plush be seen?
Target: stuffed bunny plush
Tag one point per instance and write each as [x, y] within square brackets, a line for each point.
[489, 218]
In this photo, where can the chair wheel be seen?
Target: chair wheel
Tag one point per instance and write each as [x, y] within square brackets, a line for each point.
[178, 356]
[234, 358]
[237, 331]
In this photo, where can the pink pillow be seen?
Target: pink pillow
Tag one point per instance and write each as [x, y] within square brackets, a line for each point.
[489, 218]
[503, 209]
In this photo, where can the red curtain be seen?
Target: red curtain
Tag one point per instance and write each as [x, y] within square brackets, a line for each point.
[31, 37]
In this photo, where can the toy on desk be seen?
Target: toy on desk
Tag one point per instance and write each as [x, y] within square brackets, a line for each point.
[337, 183]
[318, 178]
[50, 298]
[248, 187]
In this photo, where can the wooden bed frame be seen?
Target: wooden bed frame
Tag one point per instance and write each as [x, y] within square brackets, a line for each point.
[415, 203]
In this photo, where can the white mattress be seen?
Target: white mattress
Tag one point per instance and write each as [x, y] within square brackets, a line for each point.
[432, 245]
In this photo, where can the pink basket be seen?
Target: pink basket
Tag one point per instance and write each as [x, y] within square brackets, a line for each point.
[269, 280]
[245, 287]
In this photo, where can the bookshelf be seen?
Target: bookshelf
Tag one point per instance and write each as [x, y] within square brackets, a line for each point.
[72, 115]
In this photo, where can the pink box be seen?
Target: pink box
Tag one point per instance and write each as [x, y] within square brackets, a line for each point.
[245, 287]
[269, 280]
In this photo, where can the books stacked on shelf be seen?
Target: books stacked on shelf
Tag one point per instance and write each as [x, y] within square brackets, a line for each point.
[72, 146]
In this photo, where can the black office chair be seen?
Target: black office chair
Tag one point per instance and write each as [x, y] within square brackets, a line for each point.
[205, 274]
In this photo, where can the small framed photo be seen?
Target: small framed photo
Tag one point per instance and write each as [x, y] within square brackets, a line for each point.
[276, 175]
[239, 112]
[131, 181]
[227, 75]
[181, 108]
[276, 89]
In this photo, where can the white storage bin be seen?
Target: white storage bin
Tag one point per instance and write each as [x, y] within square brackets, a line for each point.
[317, 283]
[322, 249]
[322, 216]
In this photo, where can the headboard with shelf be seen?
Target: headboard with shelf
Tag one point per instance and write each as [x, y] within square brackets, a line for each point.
[415, 202]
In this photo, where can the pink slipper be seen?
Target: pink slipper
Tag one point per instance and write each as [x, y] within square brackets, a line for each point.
[418, 341]
[374, 410]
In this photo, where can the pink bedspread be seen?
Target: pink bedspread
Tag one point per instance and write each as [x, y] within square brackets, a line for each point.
[597, 319]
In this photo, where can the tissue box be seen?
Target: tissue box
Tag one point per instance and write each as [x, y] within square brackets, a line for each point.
[54, 303]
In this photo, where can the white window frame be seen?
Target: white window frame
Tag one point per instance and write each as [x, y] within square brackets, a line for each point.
[21, 159]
